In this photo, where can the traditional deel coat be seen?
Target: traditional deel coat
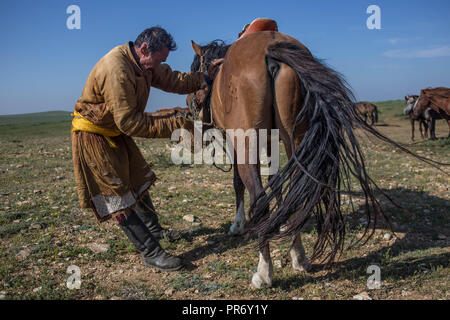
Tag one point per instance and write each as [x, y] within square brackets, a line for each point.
[110, 179]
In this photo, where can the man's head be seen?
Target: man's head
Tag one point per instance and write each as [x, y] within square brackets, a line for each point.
[152, 47]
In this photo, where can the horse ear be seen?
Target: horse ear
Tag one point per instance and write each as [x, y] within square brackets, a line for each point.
[197, 48]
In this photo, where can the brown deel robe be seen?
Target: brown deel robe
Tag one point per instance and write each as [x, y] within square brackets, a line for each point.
[114, 97]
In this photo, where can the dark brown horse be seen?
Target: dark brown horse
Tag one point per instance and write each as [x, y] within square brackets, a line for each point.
[437, 99]
[367, 109]
[271, 81]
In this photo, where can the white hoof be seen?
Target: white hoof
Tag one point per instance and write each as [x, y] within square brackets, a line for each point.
[303, 266]
[236, 229]
[258, 281]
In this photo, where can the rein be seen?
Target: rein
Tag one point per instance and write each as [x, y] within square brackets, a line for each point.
[206, 107]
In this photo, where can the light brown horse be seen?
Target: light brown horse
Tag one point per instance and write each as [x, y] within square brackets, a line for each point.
[437, 99]
[271, 81]
[367, 109]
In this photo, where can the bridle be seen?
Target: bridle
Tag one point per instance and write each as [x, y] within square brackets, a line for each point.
[194, 106]
[205, 106]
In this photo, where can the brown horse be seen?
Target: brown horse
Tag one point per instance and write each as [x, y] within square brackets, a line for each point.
[410, 101]
[176, 111]
[437, 99]
[367, 109]
[271, 81]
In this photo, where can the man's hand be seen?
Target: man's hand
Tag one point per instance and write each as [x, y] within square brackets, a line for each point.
[213, 68]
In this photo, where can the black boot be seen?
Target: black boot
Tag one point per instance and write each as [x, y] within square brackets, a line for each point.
[152, 253]
[146, 211]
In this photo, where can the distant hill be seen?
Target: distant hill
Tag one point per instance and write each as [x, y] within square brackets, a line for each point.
[34, 118]
[391, 108]
[57, 123]
[35, 125]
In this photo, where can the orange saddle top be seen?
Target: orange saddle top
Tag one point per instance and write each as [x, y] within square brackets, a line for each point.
[259, 24]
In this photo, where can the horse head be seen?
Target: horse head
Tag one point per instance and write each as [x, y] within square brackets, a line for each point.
[410, 100]
[204, 55]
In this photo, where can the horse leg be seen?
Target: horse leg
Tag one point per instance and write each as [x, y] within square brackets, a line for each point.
[299, 260]
[426, 126]
[433, 129]
[420, 128]
[250, 175]
[265, 269]
[269, 155]
[237, 228]
[412, 129]
[448, 123]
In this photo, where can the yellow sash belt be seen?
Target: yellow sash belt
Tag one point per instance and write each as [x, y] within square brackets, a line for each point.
[81, 124]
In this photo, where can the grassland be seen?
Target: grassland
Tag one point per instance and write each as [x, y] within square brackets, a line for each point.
[43, 231]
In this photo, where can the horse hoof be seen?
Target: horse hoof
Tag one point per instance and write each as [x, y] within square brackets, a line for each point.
[236, 230]
[305, 266]
[258, 281]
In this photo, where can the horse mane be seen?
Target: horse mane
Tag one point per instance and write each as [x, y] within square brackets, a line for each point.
[171, 110]
[214, 50]
[173, 114]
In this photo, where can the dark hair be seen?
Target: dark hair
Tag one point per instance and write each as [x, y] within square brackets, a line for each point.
[214, 50]
[156, 38]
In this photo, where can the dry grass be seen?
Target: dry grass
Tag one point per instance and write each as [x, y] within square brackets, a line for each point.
[43, 231]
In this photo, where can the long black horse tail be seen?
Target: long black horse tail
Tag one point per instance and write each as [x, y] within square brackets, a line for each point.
[322, 167]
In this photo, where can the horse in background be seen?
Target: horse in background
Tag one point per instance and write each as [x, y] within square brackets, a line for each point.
[410, 100]
[437, 99]
[367, 109]
[427, 119]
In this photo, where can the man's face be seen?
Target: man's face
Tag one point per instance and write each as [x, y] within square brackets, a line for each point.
[150, 60]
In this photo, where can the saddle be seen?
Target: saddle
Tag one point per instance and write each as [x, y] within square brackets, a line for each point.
[258, 25]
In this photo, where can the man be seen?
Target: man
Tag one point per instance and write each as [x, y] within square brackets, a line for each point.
[111, 174]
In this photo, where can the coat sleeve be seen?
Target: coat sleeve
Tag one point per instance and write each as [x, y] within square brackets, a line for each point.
[165, 79]
[119, 92]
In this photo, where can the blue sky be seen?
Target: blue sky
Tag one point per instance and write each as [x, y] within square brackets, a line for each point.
[44, 65]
